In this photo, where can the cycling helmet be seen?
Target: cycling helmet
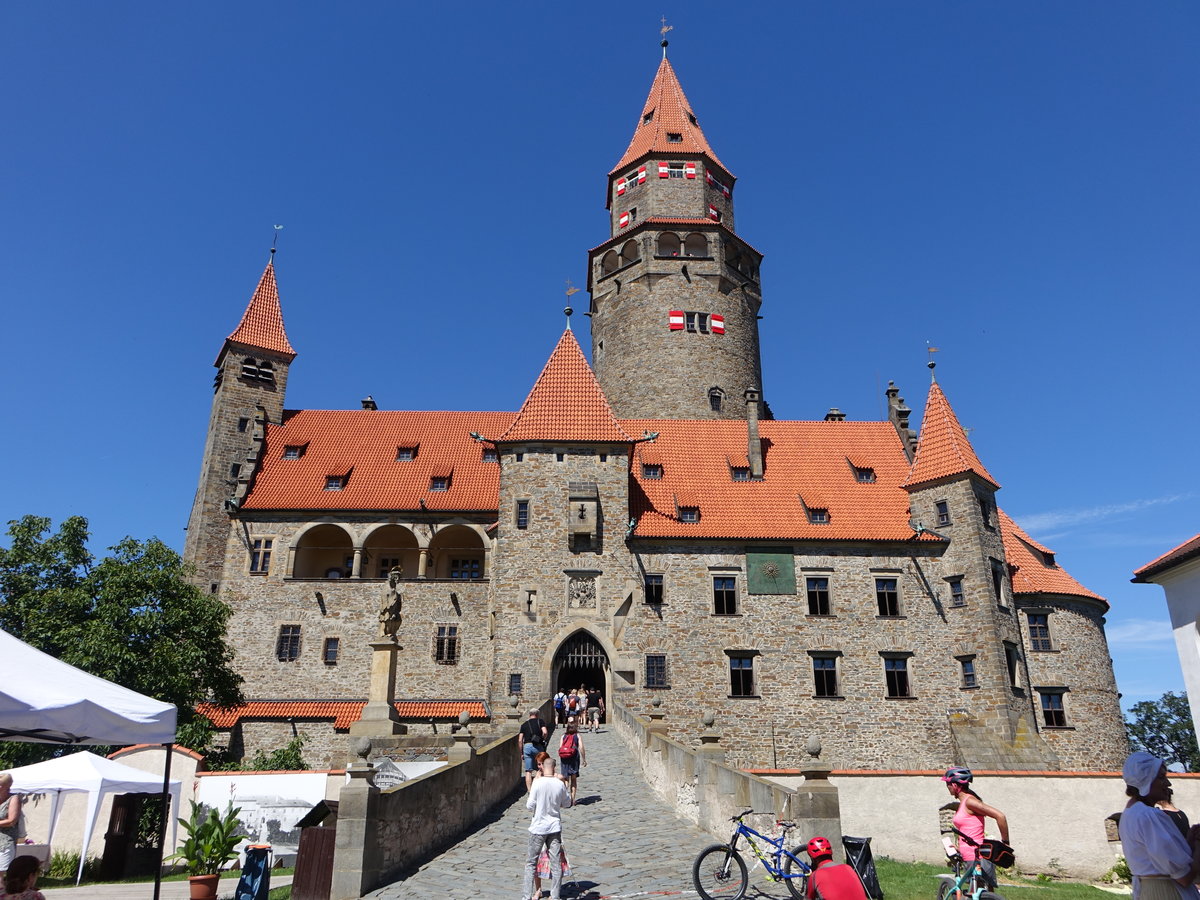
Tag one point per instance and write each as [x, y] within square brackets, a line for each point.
[958, 775]
[819, 847]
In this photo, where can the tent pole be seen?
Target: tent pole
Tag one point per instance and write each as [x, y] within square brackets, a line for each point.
[162, 820]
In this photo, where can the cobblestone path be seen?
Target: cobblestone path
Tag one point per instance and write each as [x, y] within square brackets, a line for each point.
[623, 842]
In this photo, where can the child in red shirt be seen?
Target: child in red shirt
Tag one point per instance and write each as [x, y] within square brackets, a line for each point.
[830, 880]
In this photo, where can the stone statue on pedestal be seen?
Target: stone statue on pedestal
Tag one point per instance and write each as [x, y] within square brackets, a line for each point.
[389, 612]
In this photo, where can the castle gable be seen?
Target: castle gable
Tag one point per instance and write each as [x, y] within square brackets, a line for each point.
[1034, 568]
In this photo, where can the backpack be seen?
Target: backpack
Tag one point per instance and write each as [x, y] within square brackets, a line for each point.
[569, 747]
[559, 701]
[572, 703]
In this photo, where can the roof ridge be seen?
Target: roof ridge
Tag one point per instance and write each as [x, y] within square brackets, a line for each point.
[262, 322]
[943, 448]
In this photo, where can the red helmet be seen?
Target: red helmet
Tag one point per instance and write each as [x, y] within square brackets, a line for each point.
[819, 847]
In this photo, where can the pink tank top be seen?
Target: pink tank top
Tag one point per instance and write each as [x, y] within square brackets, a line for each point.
[969, 824]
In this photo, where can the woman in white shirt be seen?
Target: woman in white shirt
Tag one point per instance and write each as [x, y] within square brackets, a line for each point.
[1163, 862]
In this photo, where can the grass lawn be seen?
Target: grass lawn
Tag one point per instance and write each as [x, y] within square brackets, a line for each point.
[917, 881]
[230, 877]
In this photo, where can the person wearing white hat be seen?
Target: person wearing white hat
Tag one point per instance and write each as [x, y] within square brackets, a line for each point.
[1164, 864]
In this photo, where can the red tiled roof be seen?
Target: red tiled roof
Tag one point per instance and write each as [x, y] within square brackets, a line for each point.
[365, 441]
[262, 322]
[671, 114]
[343, 712]
[566, 403]
[1189, 549]
[1032, 574]
[799, 458]
[943, 449]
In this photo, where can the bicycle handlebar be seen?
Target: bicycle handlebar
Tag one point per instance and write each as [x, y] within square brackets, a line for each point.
[967, 838]
[741, 815]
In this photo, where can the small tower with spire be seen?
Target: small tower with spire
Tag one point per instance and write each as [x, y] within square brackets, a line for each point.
[675, 290]
[248, 392]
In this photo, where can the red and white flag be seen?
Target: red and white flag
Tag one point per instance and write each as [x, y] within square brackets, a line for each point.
[720, 187]
[714, 213]
[718, 324]
[675, 320]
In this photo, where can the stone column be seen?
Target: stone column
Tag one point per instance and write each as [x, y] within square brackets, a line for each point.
[816, 806]
[379, 716]
[422, 561]
[657, 725]
[356, 566]
[462, 749]
[355, 857]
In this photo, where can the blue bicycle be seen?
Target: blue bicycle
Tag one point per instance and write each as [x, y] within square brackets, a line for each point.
[719, 872]
[968, 881]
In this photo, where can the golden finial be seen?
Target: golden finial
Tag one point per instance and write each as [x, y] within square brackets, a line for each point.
[663, 31]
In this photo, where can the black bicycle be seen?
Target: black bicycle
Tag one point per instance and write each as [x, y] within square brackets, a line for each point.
[719, 872]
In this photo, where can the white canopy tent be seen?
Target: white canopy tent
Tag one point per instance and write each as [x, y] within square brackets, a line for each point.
[94, 775]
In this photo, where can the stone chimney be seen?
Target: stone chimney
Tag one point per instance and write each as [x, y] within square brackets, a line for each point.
[753, 443]
[835, 415]
[368, 402]
[899, 413]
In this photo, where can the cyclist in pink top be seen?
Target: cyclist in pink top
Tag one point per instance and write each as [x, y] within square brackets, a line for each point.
[969, 819]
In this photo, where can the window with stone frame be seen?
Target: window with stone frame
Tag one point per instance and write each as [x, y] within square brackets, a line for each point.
[466, 569]
[741, 675]
[957, 597]
[287, 647]
[887, 597]
[1039, 631]
[986, 509]
[445, 645]
[817, 589]
[656, 675]
[943, 512]
[724, 595]
[522, 514]
[242, 424]
[825, 675]
[1054, 714]
[969, 679]
[330, 650]
[652, 583]
[896, 676]
[716, 399]
[514, 683]
[998, 580]
[1011, 658]
[260, 556]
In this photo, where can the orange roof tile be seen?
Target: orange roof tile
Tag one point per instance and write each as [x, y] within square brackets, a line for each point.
[1032, 574]
[670, 113]
[365, 441]
[343, 712]
[797, 455]
[262, 322]
[566, 403]
[943, 449]
[1189, 549]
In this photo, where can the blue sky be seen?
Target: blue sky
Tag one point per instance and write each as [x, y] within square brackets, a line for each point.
[1012, 182]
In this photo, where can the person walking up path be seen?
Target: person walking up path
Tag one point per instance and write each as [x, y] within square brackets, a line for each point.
[622, 841]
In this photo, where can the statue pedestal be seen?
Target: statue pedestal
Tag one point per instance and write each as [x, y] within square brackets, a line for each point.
[379, 716]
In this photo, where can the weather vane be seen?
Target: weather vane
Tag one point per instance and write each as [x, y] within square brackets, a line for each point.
[275, 240]
[663, 31]
[931, 350]
[571, 289]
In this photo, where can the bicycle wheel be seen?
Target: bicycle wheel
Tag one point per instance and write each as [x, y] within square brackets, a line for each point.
[719, 873]
[797, 884]
[945, 889]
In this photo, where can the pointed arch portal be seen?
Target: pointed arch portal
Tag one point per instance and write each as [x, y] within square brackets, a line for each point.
[580, 661]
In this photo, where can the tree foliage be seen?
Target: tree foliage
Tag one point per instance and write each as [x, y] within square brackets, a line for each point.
[1164, 727]
[131, 617]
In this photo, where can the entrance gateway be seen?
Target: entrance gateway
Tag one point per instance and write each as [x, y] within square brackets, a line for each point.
[580, 661]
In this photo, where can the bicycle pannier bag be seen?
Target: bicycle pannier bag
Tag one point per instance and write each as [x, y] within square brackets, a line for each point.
[998, 852]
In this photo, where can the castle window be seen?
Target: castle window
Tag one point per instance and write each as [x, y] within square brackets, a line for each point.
[818, 596]
[985, 510]
[243, 424]
[1053, 713]
[250, 369]
[716, 398]
[969, 681]
[266, 372]
[957, 598]
[439, 483]
[825, 679]
[386, 564]
[656, 671]
[648, 118]
[818, 515]
[895, 673]
[445, 645]
[287, 648]
[696, 322]
[520, 457]
[235, 470]
[887, 596]
[724, 596]
[1010, 662]
[652, 471]
[741, 675]
[669, 244]
[466, 569]
[674, 137]
[490, 454]
[522, 514]
[689, 514]
[692, 118]
[260, 556]
[1039, 632]
[675, 169]
[864, 475]
[653, 586]
[406, 454]
[329, 653]
[998, 580]
[335, 482]
[629, 252]
[514, 683]
[739, 473]
[610, 262]
[603, 456]
[293, 451]
[559, 457]
[943, 512]
[1048, 558]
[695, 245]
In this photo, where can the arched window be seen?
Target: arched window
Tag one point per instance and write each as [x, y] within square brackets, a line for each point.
[668, 244]
[456, 552]
[266, 372]
[629, 253]
[716, 398]
[249, 369]
[325, 551]
[610, 262]
[695, 245]
[387, 547]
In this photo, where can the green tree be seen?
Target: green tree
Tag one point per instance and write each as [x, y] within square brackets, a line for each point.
[1164, 727]
[131, 617]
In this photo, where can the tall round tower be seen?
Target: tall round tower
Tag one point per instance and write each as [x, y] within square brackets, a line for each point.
[675, 291]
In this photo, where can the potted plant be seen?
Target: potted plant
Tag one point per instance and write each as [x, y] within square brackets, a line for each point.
[208, 847]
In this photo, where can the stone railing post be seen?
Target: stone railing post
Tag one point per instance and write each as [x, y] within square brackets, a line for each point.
[355, 857]
[462, 749]
[816, 805]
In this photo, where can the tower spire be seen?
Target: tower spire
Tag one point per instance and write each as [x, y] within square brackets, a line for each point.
[663, 31]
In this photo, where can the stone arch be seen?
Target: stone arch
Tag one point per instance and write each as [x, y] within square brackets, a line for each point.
[668, 244]
[630, 253]
[695, 245]
[389, 545]
[323, 550]
[579, 656]
[458, 552]
[610, 262]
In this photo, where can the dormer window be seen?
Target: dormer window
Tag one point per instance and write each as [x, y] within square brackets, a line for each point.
[335, 482]
[689, 514]
[864, 475]
[439, 483]
[294, 451]
[1048, 558]
[490, 454]
[652, 471]
[406, 454]
[674, 137]
[648, 118]
[818, 515]
[740, 473]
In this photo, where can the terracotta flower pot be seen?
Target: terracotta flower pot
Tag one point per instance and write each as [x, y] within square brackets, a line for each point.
[204, 887]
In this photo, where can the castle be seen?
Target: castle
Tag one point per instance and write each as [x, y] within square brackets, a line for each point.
[645, 525]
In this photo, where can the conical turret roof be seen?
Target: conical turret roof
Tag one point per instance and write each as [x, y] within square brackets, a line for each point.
[566, 403]
[262, 322]
[942, 448]
[667, 112]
